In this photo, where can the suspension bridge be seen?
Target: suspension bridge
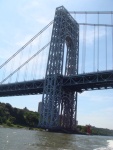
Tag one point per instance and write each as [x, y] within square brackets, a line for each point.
[76, 56]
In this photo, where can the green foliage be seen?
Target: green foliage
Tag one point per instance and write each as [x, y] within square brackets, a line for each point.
[20, 117]
[96, 131]
[8, 123]
[101, 131]
[1, 121]
[31, 118]
[82, 128]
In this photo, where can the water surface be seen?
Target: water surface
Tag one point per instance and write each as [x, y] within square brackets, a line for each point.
[22, 139]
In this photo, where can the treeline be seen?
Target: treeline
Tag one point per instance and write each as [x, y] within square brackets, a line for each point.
[102, 131]
[14, 116]
[96, 131]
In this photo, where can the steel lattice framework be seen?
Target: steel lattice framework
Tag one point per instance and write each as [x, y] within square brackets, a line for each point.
[58, 105]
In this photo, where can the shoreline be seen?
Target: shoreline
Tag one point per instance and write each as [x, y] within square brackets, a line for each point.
[12, 126]
[19, 127]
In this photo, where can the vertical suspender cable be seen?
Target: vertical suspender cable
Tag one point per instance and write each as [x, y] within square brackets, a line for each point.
[84, 45]
[85, 41]
[4, 72]
[20, 60]
[26, 68]
[75, 15]
[11, 68]
[36, 67]
[39, 64]
[98, 46]
[82, 50]
[94, 52]
[33, 67]
[112, 37]
[33, 64]
[106, 46]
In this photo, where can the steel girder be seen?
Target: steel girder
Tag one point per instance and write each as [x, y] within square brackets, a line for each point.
[22, 88]
[55, 105]
[81, 82]
[89, 81]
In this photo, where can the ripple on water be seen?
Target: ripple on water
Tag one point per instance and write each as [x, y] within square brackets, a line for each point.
[109, 147]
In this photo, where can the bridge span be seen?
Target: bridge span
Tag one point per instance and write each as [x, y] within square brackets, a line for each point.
[80, 83]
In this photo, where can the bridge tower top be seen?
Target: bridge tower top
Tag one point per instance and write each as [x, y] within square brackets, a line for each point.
[65, 31]
[62, 9]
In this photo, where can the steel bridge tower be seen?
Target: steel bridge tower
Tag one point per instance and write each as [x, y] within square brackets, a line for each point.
[59, 106]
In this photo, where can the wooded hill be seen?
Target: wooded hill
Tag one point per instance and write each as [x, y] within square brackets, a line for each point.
[14, 116]
[96, 131]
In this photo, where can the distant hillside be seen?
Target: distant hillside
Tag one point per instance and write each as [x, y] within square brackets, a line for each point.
[14, 116]
[96, 131]
[102, 131]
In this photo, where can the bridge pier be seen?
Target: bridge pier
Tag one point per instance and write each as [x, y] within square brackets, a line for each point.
[68, 110]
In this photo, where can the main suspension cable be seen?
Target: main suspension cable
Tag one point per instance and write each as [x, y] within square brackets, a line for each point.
[91, 12]
[92, 24]
[112, 38]
[98, 46]
[24, 63]
[94, 52]
[106, 46]
[26, 44]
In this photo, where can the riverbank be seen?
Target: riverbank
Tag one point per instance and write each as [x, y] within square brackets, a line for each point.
[19, 127]
[95, 131]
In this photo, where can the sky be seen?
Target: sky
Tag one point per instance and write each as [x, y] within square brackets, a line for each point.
[21, 20]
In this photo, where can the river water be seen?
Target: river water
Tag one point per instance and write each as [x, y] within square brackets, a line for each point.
[22, 139]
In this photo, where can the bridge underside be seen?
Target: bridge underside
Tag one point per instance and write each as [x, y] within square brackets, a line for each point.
[81, 82]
